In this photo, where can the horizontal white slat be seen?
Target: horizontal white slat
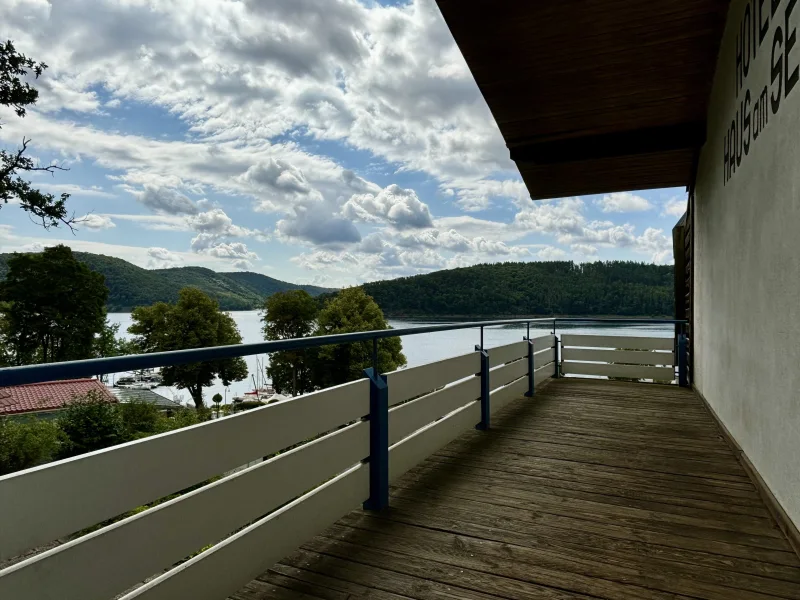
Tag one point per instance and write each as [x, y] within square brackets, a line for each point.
[543, 357]
[407, 418]
[231, 564]
[97, 486]
[543, 373]
[632, 371]
[109, 561]
[501, 397]
[408, 383]
[509, 352]
[545, 341]
[413, 450]
[508, 373]
[618, 341]
[633, 357]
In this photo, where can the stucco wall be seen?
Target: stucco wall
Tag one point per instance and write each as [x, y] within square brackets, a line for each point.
[747, 253]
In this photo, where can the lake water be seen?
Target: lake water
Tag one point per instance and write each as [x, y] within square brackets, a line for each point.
[419, 349]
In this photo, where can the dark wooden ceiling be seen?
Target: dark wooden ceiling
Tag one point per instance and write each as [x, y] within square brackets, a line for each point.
[594, 96]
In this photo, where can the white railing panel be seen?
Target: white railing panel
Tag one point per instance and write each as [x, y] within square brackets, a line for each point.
[507, 353]
[543, 373]
[544, 357]
[111, 560]
[630, 371]
[633, 357]
[413, 450]
[502, 396]
[100, 485]
[407, 418]
[618, 342]
[408, 383]
[545, 341]
[508, 373]
[231, 564]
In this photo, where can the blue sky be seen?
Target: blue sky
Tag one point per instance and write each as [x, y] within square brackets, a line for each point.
[316, 141]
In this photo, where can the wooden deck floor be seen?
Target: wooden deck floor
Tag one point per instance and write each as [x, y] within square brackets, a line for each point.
[595, 489]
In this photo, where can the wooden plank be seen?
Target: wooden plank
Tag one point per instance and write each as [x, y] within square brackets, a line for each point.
[631, 357]
[100, 485]
[631, 371]
[543, 373]
[503, 354]
[543, 357]
[500, 397]
[409, 383]
[618, 341]
[407, 418]
[543, 342]
[133, 549]
[507, 373]
[229, 565]
[413, 450]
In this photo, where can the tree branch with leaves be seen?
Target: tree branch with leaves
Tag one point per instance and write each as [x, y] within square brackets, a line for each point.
[17, 94]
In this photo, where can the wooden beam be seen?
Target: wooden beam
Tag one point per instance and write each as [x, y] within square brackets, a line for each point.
[623, 143]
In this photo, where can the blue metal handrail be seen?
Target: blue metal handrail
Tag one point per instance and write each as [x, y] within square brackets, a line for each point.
[117, 364]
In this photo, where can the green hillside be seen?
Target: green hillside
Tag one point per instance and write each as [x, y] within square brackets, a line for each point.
[532, 288]
[266, 286]
[130, 286]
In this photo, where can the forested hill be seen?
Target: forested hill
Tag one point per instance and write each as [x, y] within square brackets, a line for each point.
[532, 288]
[130, 286]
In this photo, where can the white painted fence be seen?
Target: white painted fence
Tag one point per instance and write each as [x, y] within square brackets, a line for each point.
[251, 518]
[618, 356]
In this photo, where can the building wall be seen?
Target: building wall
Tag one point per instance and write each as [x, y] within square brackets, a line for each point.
[747, 244]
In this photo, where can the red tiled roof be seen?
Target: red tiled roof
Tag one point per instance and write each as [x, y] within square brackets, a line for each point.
[48, 396]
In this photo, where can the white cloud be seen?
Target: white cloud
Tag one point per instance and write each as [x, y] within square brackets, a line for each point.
[166, 201]
[234, 250]
[154, 222]
[551, 253]
[242, 264]
[96, 222]
[315, 227]
[73, 190]
[583, 249]
[674, 207]
[621, 202]
[393, 205]
[161, 258]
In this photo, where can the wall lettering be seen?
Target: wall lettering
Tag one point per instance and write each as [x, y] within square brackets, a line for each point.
[753, 109]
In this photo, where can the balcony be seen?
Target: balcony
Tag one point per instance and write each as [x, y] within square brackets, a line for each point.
[502, 472]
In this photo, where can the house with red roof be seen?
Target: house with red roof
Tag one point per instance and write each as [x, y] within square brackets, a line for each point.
[49, 396]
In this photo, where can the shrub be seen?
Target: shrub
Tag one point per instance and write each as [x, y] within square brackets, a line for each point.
[140, 419]
[25, 444]
[90, 423]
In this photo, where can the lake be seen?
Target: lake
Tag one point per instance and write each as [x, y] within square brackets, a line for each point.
[419, 349]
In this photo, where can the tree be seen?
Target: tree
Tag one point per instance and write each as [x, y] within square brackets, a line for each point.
[349, 311]
[90, 423]
[27, 443]
[216, 399]
[194, 321]
[289, 315]
[54, 307]
[17, 94]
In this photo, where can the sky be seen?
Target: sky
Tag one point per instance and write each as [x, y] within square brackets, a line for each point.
[315, 141]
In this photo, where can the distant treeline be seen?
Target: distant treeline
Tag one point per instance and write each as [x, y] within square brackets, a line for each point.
[532, 288]
[130, 286]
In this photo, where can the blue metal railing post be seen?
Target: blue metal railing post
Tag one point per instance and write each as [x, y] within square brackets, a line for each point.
[557, 362]
[683, 363]
[485, 406]
[529, 393]
[378, 441]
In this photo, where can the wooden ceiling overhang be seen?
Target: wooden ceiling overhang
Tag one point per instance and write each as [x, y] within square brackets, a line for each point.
[594, 96]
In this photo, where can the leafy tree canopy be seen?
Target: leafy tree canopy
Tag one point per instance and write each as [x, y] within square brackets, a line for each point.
[53, 308]
[349, 311]
[194, 321]
[17, 93]
[287, 315]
